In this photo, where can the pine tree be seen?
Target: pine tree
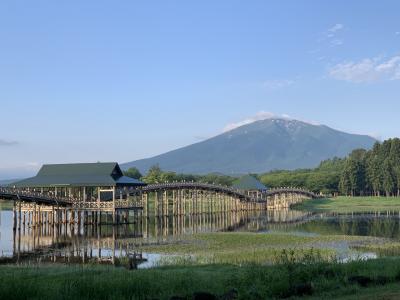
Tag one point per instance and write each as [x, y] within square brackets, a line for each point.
[388, 180]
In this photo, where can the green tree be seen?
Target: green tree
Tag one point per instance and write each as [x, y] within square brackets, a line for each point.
[354, 173]
[374, 169]
[388, 180]
[133, 173]
[395, 162]
[344, 183]
[168, 177]
[153, 175]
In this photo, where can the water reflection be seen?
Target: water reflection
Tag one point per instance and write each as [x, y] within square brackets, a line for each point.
[107, 244]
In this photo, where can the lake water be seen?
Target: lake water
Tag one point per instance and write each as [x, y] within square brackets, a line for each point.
[109, 244]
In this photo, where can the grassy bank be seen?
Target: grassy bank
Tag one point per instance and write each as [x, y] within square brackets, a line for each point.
[351, 204]
[357, 280]
[243, 248]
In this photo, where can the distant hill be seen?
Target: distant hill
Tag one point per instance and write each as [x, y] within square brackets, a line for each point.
[259, 147]
[8, 181]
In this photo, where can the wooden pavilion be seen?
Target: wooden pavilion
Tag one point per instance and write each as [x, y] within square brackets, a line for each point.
[95, 187]
[250, 186]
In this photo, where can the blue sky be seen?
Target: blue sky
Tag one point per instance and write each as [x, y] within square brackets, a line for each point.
[84, 81]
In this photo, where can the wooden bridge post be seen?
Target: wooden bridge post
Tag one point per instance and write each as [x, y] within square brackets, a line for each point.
[217, 206]
[201, 205]
[52, 215]
[173, 203]
[166, 203]
[217, 200]
[198, 205]
[226, 207]
[147, 204]
[79, 217]
[29, 217]
[156, 203]
[178, 200]
[187, 204]
[163, 196]
[14, 217]
[194, 207]
[213, 207]
[39, 221]
[34, 215]
[19, 215]
[236, 203]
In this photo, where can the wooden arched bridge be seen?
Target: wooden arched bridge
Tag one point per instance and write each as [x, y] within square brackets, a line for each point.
[195, 197]
[177, 198]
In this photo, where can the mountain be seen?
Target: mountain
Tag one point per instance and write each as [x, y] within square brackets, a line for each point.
[259, 147]
[6, 182]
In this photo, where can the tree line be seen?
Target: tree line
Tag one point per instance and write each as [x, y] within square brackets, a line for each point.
[156, 175]
[374, 172]
[322, 179]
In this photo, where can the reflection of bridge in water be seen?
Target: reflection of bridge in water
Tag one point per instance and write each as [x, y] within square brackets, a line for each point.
[79, 243]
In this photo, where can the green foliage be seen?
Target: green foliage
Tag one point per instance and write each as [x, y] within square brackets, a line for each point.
[153, 175]
[373, 172]
[324, 178]
[133, 173]
[353, 177]
[156, 175]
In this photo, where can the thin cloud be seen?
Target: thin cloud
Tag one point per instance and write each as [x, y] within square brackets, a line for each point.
[367, 70]
[8, 143]
[376, 135]
[264, 115]
[261, 115]
[201, 137]
[336, 42]
[331, 36]
[278, 84]
[336, 28]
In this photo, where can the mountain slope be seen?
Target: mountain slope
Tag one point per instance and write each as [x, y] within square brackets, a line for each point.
[259, 147]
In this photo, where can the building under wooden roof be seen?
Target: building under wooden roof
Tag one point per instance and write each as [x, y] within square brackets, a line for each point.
[84, 181]
[78, 175]
[250, 185]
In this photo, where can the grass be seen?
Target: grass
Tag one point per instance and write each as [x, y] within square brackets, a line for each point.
[309, 279]
[351, 204]
[6, 205]
[243, 248]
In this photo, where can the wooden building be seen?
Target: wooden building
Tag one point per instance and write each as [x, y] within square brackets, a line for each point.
[251, 186]
[86, 186]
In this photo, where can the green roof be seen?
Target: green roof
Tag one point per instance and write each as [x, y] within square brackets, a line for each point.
[84, 174]
[249, 183]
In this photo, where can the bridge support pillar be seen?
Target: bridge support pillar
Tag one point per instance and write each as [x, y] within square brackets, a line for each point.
[14, 217]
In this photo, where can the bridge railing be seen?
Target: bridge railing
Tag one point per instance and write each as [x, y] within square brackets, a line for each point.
[226, 189]
[195, 185]
[37, 195]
